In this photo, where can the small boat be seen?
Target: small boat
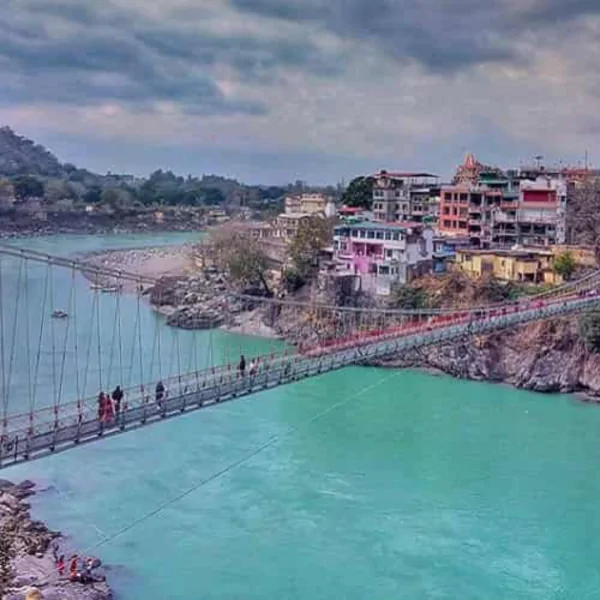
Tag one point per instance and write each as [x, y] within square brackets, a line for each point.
[112, 289]
[59, 314]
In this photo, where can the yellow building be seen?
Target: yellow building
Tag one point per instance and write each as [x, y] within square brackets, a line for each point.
[526, 266]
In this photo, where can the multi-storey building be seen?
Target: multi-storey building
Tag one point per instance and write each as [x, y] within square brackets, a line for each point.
[383, 254]
[401, 197]
[310, 204]
[494, 208]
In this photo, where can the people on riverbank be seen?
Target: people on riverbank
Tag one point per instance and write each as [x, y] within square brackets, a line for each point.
[60, 565]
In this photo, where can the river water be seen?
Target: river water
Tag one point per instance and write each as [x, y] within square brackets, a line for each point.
[370, 484]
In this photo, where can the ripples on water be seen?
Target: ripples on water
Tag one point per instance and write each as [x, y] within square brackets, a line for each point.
[421, 487]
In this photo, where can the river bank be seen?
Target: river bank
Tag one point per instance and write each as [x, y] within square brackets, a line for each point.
[29, 551]
[15, 224]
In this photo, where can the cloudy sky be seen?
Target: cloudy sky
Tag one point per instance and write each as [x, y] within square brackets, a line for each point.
[320, 90]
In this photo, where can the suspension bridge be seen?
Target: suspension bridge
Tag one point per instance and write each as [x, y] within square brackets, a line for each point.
[56, 362]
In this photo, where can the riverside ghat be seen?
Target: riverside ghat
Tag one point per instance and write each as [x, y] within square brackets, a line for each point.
[30, 554]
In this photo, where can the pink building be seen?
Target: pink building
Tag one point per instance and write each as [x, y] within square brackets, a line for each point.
[383, 254]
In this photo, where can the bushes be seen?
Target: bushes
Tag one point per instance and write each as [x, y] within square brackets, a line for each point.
[589, 329]
[408, 298]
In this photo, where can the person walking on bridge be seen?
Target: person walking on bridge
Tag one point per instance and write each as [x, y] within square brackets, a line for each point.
[101, 406]
[117, 396]
[159, 393]
[242, 366]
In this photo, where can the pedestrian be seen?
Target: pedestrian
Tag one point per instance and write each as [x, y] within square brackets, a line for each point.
[252, 368]
[60, 565]
[73, 572]
[117, 396]
[159, 393]
[109, 409]
[242, 366]
[101, 406]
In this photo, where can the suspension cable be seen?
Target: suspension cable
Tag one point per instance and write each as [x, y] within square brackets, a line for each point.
[241, 461]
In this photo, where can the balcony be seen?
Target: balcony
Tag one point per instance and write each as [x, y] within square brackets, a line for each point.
[502, 217]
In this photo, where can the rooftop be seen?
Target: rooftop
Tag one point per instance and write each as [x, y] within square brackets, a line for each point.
[525, 254]
[377, 225]
[404, 175]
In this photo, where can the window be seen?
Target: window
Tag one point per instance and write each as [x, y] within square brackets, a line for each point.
[463, 197]
[354, 233]
[396, 236]
[388, 235]
[447, 196]
[389, 253]
[379, 235]
[362, 233]
[371, 235]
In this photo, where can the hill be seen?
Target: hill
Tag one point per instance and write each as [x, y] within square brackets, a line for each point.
[19, 155]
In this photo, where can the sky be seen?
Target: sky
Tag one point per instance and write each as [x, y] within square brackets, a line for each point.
[271, 91]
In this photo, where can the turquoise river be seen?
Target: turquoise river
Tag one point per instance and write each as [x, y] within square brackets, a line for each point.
[371, 484]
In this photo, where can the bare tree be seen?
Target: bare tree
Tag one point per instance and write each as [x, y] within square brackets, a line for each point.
[236, 251]
[584, 215]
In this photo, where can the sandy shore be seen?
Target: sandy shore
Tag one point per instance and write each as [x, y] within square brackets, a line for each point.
[152, 262]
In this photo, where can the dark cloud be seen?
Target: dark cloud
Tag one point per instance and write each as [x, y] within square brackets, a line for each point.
[82, 51]
[442, 35]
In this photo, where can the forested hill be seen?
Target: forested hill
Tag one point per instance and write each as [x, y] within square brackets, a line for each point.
[30, 171]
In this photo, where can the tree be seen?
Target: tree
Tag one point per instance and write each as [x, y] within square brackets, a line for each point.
[237, 252]
[7, 191]
[359, 193]
[564, 265]
[93, 195]
[27, 186]
[583, 214]
[405, 297]
[314, 234]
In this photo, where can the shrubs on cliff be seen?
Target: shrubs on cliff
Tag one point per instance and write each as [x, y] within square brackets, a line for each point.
[564, 265]
[589, 329]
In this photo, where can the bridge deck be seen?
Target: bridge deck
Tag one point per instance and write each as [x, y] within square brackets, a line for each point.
[78, 425]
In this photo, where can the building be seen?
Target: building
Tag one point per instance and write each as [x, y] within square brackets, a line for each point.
[383, 254]
[399, 197]
[497, 209]
[444, 251]
[523, 266]
[310, 204]
[287, 224]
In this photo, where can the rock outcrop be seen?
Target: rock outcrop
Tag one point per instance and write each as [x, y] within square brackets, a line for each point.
[544, 357]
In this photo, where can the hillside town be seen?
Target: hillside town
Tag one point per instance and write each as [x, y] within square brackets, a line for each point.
[515, 225]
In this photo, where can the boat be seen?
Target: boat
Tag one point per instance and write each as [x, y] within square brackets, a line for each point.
[59, 314]
[112, 289]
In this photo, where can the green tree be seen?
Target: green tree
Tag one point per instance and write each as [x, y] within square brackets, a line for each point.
[405, 297]
[589, 329]
[314, 234]
[27, 186]
[359, 193]
[564, 265]
[93, 195]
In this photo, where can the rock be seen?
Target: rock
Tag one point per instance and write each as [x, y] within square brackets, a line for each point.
[10, 502]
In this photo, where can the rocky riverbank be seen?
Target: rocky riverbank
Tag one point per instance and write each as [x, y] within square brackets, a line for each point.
[547, 357]
[29, 550]
[42, 223]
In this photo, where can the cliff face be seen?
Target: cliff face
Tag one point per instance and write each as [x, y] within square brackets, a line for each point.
[543, 357]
